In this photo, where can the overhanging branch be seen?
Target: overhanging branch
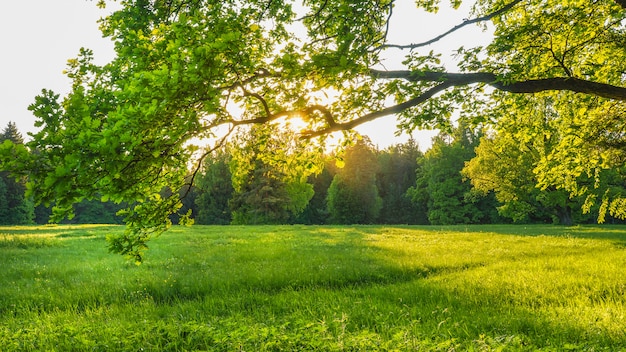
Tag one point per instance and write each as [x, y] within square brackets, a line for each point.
[448, 80]
[573, 84]
[445, 80]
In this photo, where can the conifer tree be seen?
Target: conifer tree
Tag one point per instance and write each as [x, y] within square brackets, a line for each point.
[15, 207]
[353, 195]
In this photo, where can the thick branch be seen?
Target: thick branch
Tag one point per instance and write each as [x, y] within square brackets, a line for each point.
[528, 86]
[457, 27]
[446, 80]
[460, 79]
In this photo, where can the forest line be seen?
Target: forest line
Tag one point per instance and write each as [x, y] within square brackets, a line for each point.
[459, 180]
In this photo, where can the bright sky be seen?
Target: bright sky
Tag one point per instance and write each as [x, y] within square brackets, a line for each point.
[39, 36]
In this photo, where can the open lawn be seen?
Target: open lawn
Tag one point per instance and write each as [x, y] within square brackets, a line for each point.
[286, 288]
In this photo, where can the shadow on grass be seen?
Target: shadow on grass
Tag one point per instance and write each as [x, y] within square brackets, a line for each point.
[340, 268]
[306, 276]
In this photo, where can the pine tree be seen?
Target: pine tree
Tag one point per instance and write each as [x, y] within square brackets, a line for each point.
[215, 189]
[397, 173]
[353, 195]
[15, 208]
[269, 170]
[263, 199]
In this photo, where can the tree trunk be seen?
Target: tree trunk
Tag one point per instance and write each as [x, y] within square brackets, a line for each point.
[565, 215]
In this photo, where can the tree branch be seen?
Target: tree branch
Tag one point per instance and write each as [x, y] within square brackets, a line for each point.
[448, 80]
[396, 109]
[317, 13]
[573, 84]
[459, 26]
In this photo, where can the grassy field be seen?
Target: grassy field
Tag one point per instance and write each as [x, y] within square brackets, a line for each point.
[287, 288]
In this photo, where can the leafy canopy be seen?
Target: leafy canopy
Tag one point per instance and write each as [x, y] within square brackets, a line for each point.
[183, 68]
[507, 161]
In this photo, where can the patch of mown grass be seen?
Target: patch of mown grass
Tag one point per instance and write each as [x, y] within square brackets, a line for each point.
[277, 288]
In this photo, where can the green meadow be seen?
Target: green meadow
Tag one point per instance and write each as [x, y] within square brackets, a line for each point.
[291, 288]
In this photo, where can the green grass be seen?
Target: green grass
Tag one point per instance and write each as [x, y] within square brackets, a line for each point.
[285, 288]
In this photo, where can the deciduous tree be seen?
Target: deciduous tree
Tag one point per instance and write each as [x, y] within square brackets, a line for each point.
[534, 133]
[440, 185]
[316, 211]
[184, 67]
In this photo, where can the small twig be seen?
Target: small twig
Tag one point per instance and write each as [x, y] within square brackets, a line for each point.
[455, 28]
[317, 13]
[218, 144]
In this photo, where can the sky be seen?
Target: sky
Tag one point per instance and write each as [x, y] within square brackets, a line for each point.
[38, 37]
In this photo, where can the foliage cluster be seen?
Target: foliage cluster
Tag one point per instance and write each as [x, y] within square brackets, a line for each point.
[273, 288]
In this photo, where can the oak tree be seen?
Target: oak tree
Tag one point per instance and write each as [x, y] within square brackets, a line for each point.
[184, 67]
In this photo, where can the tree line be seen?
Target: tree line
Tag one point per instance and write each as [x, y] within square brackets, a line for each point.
[468, 176]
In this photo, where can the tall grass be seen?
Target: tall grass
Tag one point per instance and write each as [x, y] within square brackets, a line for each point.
[276, 288]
